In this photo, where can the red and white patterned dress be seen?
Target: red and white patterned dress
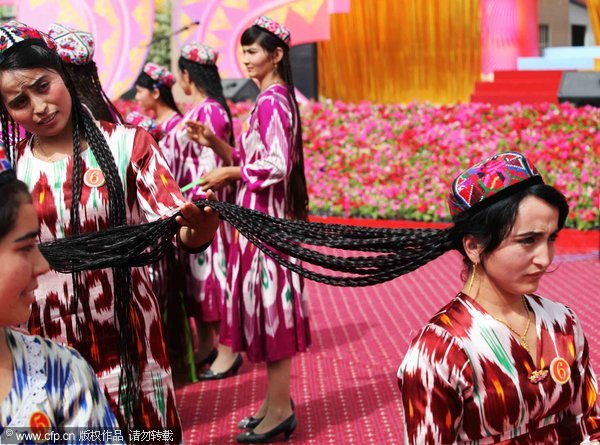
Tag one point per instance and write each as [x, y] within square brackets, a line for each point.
[150, 193]
[464, 380]
[266, 307]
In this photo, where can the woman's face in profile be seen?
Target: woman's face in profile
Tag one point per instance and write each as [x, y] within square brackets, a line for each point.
[516, 266]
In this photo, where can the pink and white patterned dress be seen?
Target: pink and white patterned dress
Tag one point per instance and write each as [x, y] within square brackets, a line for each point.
[206, 278]
[465, 380]
[266, 308]
[150, 193]
[167, 128]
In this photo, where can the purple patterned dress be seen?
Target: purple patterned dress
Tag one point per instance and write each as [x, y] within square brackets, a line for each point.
[167, 128]
[265, 307]
[207, 271]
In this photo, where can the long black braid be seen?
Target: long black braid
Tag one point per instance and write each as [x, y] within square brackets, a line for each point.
[392, 252]
[85, 129]
[207, 79]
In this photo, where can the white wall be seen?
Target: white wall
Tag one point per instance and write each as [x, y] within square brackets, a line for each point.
[578, 15]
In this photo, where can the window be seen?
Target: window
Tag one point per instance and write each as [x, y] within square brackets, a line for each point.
[543, 38]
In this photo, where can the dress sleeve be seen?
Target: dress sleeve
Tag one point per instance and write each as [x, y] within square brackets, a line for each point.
[274, 131]
[431, 379]
[582, 419]
[83, 404]
[158, 194]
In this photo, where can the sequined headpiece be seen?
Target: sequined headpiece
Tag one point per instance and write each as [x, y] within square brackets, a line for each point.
[491, 180]
[160, 75]
[199, 53]
[74, 47]
[270, 25]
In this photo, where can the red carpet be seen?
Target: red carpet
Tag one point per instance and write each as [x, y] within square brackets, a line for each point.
[345, 388]
[527, 87]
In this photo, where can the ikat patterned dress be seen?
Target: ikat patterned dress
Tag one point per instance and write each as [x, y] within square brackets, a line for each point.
[150, 193]
[266, 308]
[166, 128]
[206, 282]
[465, 380]
[52, 387]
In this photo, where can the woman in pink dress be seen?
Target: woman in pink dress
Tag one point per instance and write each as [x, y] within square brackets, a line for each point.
[87, 176]
[266, 309]
[206, 272]
[153, 92]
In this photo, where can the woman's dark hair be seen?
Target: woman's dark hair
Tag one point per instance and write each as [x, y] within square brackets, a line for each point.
[165, 93]
[297, 195]
[207, 79]
[37, 56]
[12, 195]
[91, 94]
[491, 225]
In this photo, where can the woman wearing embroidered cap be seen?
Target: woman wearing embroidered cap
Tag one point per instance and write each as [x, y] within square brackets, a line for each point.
[76, 49]
[205, 297]
[42, 385]
[153, 91]
[266, 309]
[87, 176]
[499, 364]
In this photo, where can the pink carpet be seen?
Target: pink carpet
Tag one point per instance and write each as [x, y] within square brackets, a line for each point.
[345, 388]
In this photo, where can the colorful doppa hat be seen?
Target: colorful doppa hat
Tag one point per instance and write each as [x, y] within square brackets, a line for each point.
[491, 180]
[137, 119]
[73, 46]
[14, 34]
[199, 53]
[159, 74]
[7, 173]
[270, 25]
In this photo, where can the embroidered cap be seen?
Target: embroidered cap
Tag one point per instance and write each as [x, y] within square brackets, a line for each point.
[491, 180]
[7, 174]
[160, 75]
[73, 46]
[270, 25]
[199, 53]
[15, 34]
[137, 119]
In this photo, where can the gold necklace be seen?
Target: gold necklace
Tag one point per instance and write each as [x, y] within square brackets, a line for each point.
[522, 336]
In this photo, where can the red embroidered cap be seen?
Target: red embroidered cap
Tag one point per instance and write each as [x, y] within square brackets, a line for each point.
[278, 30]
[15, 34]
[199, 53]
[491, 180]
[160, 75]
[73, 46]
[137, 119]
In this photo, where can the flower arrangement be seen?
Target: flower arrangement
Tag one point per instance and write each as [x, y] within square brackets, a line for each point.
[397, 161]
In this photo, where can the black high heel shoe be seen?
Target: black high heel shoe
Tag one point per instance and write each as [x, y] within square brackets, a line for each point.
[208, 360]
[286, 428]
[212, 375]
[249, 423]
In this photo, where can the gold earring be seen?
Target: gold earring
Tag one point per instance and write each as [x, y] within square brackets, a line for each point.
[471, 278]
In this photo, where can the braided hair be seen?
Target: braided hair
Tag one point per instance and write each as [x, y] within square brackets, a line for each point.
[297, 194]
[85, 128]
[165, 92]
[92, 95]
[207, 79]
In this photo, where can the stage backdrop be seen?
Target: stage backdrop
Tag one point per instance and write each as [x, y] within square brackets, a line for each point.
[122, 30]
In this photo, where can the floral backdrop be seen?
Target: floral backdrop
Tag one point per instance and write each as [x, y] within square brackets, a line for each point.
[398, 161]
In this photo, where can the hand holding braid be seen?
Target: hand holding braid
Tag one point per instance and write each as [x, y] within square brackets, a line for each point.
[393, 252]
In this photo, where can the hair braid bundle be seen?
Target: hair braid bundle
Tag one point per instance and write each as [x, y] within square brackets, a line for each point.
[393, 252]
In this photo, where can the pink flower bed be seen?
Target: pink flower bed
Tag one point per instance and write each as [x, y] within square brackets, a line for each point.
[398, 161]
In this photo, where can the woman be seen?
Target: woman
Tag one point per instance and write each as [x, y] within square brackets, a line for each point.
[42, 385]
[153, 91]
[206, 283]
[76, 49]
[499, 364]
[86, 176]
[267, 315]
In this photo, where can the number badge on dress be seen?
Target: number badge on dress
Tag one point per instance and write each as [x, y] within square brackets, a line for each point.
[94, 178]
[39, 424]
[560, 371]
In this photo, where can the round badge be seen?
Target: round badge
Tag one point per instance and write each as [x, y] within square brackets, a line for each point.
[94, 178]
[560, 371]
[39, 423]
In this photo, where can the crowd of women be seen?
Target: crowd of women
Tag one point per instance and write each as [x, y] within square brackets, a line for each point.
[72, 165]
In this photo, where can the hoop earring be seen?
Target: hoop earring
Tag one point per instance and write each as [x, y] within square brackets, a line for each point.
[471, 278]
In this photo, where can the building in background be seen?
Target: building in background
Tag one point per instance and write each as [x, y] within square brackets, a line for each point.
[564, 23]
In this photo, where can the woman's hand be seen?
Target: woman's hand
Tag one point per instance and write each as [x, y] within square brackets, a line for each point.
[200, 133]
[215, 179]
[198, 226]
